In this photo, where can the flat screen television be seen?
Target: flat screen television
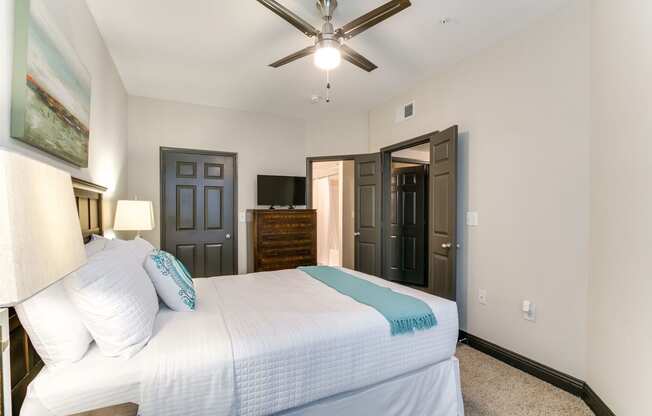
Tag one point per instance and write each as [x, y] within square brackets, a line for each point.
[281, 190]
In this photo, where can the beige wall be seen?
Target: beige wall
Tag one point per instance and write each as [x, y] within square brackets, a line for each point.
[337, 135]
[108, 124]
[620, 317]
[265, 145]
[523, 112]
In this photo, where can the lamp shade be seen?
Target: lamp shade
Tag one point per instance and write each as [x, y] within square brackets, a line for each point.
[40, 234]
[134, 216]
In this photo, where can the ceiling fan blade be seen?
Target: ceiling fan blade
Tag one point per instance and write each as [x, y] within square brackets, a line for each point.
[356, 59]
[372, 18]
[290, 17]
[290, 58]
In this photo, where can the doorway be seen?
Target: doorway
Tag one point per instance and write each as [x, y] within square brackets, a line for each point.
[198, 207]
[333, 196]
[406, 246]
[350, 205]
[419, 201]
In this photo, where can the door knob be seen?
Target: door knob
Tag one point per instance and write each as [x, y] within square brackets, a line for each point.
[447, 245]
[228, 236]
[356, 234]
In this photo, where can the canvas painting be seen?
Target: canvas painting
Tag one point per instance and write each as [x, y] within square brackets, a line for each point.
[51, 97]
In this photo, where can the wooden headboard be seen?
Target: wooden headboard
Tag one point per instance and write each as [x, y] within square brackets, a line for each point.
[89, 206]
[25, 362]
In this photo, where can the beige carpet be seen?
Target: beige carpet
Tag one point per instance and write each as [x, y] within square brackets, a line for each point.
[492, 388]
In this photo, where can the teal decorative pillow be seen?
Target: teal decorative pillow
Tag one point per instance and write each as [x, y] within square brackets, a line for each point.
[172, 281]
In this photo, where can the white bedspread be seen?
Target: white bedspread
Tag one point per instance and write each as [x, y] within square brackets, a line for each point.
[188, 364]
[296, 340]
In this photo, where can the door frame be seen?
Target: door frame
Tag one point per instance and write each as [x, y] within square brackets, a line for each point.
[386, 167]
[309, 162]
[236, 224]
[349, 157]
[408, 160]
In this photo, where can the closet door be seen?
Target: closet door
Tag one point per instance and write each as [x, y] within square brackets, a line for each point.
[443, 213]
[198, 207]
[405, 256]
[367, 214]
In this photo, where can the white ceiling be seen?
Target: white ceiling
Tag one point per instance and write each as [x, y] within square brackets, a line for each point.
[216, 52]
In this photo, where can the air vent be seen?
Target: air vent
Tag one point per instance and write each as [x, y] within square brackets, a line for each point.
[405, 112]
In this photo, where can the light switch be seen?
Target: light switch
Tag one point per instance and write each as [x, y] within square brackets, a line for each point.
[242, 217]
[529, 311]
[472, 219]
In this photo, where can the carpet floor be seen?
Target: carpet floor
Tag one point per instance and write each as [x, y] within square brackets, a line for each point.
[493, 388]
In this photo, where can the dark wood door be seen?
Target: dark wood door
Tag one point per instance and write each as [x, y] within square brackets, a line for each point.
[406, 243]
[367, 214]
[443, 213]
[198, 207]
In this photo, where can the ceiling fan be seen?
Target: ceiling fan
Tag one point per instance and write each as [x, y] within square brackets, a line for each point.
[329, 47]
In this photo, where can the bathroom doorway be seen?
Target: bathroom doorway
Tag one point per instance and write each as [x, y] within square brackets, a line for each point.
[333, 196]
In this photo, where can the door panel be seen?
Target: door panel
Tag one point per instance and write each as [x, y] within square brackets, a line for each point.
[443, 213]
[186, 253]
[367, 214]
[213, 207]
[213, 259]
[367, 203]
[186, 208]
[198, 207]
[407, 229]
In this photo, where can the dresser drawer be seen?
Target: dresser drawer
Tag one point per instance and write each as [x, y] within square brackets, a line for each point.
[281, 240]
[286, 217]
[285, 263]
[273, 229]
[286, 252]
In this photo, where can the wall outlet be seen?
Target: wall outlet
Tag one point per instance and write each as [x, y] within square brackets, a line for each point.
[482, 296]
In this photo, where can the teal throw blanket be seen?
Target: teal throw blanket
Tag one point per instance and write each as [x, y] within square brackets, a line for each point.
[404, 313]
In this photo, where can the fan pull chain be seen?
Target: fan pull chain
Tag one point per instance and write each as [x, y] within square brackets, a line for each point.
[328, 86]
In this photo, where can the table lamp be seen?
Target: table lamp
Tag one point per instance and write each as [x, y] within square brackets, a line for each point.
[134, 216]
[40, 240]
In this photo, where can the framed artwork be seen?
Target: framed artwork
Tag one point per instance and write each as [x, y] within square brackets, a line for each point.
[51, 94]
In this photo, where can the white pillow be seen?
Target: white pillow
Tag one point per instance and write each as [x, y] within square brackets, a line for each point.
[172, 281]
[138, 247]
[95, 246]
[54, 326]
[116, 301]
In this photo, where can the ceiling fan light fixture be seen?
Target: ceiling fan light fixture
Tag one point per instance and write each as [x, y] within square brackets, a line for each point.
[328, 57]
[329, 48]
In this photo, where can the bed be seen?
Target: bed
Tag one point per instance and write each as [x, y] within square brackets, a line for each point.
[296, 347]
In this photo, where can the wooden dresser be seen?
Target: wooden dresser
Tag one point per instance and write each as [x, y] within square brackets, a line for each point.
[281, 239]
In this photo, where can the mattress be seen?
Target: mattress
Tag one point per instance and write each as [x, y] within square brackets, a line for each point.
[432, 391]
[294, 341]
[96, 381]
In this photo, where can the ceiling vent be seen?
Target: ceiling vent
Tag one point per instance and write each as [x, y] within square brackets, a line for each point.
[406, 111]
